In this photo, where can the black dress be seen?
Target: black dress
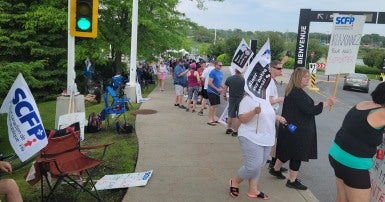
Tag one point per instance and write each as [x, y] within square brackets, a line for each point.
[298, 109]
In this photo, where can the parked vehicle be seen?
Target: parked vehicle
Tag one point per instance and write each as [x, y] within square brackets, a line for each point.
[356, 81]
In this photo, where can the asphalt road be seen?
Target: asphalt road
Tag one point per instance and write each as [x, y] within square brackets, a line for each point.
[318, 174]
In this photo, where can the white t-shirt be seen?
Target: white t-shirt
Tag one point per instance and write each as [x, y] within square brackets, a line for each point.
[261, 128]
[273, 92]
[205, 75]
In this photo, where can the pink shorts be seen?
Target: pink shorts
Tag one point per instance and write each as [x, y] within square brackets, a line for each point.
[161, 76]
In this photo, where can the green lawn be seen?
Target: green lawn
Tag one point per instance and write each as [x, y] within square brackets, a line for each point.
[120, 157]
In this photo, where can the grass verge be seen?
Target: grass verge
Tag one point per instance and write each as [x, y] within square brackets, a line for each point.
[120, 157]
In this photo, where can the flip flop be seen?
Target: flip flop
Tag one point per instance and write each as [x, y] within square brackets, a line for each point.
[211, 123]
[215, 122]
[261, 195]
[234, 191]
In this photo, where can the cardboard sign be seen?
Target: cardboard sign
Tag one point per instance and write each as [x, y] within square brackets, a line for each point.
[241, 56]
[257, 75]
[344, 43]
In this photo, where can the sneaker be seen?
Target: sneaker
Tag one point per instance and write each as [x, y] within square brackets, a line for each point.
[182, 107]
[200, 113]
[176, 105]
[229, 131]
[193, 111]
[296, 185]
[234, 134]
[277, 174]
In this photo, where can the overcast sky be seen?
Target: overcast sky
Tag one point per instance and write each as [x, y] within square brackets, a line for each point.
[274, 15]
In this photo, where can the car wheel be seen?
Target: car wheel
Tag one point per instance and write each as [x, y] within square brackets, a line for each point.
[344, 88]
[366, 90]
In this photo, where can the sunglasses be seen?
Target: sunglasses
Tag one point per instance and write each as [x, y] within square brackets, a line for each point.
[277, 68]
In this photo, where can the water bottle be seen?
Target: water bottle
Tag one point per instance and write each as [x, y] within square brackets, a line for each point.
[291, 127]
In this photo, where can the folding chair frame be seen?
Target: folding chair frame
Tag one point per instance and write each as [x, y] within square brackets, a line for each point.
[46, 160]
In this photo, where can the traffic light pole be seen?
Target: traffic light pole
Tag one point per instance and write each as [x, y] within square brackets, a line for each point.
[70, 101]
[130, 89]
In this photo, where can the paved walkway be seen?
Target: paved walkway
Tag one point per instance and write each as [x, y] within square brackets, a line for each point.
[193, 161]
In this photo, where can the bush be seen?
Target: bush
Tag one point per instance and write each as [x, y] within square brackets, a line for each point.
[367, 70]
[289, 64]
[225, 59]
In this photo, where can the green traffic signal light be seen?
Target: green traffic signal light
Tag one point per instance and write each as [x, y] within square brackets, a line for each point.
[83, 24]
[84, 18]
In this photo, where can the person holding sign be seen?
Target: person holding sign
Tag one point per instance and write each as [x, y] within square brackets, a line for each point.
[9, 186]
[297, 140]
[351, 153]
[256, 136]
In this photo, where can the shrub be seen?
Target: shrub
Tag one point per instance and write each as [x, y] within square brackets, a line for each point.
[225, 59]
[367, 70]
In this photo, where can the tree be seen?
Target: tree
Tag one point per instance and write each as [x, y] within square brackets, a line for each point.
[276, 44]
[374, 58]
[33, 42]
[160, 27]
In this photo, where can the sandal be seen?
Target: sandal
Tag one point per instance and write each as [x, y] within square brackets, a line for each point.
[212, 123]
[234, 191]
[261, 195]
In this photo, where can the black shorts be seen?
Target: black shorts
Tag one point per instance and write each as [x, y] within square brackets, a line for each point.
[355, 178]
[204, 93]
[214, 99]
[234, 107]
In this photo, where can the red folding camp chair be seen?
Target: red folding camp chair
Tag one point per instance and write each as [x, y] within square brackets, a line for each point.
[64, 160]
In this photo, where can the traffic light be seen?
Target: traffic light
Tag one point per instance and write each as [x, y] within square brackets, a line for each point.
[84, 18]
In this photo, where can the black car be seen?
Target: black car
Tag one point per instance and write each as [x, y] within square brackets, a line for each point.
[356, 81]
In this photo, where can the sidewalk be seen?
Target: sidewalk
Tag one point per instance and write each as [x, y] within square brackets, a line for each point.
[192, 161]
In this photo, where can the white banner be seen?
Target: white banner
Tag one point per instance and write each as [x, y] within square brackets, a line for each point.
[344, 43]
[25, 128]
[123, 180]
[257, 75]
[241, 56]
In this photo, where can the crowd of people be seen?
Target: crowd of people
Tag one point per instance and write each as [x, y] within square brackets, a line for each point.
[263, 132]
[289, 136]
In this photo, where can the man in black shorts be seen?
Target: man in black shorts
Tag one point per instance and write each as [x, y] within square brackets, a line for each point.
[235, 86]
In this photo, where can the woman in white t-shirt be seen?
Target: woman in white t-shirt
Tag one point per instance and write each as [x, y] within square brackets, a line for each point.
[256, 136]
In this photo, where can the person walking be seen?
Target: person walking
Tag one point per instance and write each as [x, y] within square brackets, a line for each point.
[300, 144]
[214, 90]
[256, 137]
[193, 81]
[180, 81]
[276, 69]
[235, 85]
[161, 71]
[205, 80]
[351, 153]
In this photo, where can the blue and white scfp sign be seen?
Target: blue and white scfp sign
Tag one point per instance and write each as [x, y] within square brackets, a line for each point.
[25, 128]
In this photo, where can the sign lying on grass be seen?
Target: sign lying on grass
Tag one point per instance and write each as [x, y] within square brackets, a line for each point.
[123, 180]
[25, 128]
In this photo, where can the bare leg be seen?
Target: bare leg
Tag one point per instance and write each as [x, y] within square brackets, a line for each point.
[357, 195]
[341, 194]
[229, 122]
[253, 187]
[278, 165]
[292, 175]
[11, 190]
[236, 124]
